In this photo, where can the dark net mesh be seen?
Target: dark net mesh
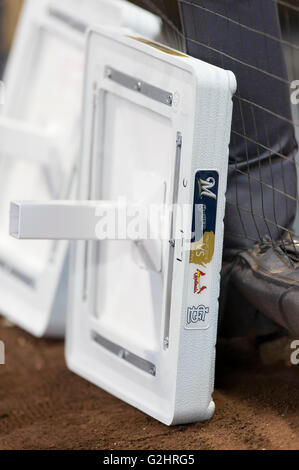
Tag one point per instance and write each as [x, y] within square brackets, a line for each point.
[259, 41]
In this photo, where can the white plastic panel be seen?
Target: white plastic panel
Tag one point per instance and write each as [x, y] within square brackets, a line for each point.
[40, 127]
[57, 61]
[154, 119]
[138, 147]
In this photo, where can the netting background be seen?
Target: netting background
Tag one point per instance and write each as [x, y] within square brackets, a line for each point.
[259, 41]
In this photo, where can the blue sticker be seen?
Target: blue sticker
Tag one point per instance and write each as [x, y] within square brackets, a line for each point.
[204, 217]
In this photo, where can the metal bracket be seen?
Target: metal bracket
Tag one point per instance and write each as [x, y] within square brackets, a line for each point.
[139, 86]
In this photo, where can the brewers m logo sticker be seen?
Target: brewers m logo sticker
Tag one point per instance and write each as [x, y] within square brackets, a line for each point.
[204, 217]
[206, 186]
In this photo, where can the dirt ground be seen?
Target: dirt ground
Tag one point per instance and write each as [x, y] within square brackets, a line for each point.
[44, 406]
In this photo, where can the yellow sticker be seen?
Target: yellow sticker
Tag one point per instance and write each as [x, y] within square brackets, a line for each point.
[159, 47]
